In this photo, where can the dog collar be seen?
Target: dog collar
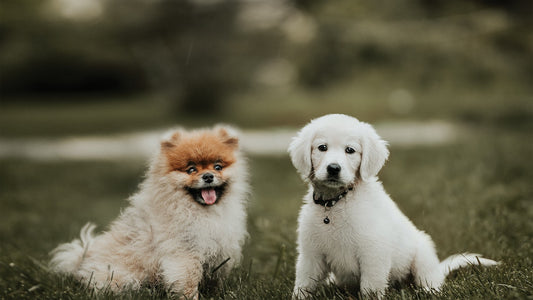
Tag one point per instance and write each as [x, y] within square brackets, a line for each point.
[332, 201]
[328, 203]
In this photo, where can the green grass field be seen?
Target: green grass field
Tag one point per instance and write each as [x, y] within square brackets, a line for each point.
[474, 195]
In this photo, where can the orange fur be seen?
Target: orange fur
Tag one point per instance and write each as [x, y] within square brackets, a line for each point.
[200, 149]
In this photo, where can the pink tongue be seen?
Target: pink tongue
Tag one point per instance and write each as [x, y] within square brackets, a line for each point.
[210, 196]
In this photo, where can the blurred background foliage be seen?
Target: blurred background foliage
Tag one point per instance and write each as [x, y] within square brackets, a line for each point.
[262, 62]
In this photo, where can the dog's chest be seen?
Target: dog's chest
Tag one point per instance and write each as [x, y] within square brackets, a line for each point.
[338, 240]
[212, 235]
[340, 249]
[331, 223]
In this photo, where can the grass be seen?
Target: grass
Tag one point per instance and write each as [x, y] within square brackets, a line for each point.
[475, 195]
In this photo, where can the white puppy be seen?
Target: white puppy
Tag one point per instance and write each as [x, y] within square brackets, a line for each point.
[348, 225]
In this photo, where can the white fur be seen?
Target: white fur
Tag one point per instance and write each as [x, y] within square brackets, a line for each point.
[162, 236]
[369, 241]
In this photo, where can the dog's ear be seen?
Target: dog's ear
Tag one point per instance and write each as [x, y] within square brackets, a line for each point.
[300, 152]
[374, 153]
[228, 134]
[170, 139]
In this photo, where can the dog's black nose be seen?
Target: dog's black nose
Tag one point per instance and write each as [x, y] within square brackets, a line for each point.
[334, 169]
[208, 177]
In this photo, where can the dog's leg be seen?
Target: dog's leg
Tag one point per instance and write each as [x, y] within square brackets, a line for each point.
[182, 274]
[425, 267]
[375, 269]
[310, 270]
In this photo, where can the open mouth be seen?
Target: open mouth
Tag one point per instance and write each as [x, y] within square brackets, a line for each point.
[208, 195]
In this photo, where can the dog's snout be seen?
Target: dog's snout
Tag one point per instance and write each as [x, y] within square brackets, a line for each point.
[334, 169]
[208, 177]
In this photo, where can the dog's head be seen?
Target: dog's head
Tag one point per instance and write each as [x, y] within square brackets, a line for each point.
[337, 150]
[200, 162]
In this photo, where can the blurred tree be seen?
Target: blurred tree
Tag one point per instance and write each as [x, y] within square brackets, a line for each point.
[420, 42]
[192, 51]
[521, 9]
[41, 53]
[200, 52]
[189, 49]
[324, 61]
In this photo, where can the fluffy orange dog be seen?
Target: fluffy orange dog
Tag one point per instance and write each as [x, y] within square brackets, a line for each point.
[187, 218]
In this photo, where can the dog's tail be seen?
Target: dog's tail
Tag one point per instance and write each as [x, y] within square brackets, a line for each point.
[462, 260]
[67, 257]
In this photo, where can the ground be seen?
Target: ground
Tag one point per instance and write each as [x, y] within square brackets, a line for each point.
[472, 194]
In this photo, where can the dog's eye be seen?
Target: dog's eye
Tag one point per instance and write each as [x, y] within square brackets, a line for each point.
[218, 167]
[349, 150]
[323, 148]
[191, 170]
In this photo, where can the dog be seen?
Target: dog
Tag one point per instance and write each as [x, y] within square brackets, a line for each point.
[350, 231]
[187, 220]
